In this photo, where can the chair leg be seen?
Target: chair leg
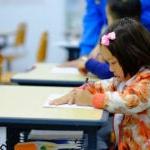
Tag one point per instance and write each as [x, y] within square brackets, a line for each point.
[8, 65]
[1, 71]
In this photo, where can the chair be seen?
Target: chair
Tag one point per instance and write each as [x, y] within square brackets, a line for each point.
[15, 49]
[42, 50]
[4, 76]
[20, 35]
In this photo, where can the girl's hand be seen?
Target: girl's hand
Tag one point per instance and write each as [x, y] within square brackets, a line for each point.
[81, 65]
[97, 84]
[76, 96]
[98, 87]
[83, 97]
[66, 99]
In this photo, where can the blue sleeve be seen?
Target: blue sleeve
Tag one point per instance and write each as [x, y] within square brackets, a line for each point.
[93, 22]
[145, 13]
[99, 69]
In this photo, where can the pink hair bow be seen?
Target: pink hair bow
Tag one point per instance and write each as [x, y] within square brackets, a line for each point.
[106, 38]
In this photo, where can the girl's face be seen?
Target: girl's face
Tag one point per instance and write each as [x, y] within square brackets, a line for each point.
[114, 65]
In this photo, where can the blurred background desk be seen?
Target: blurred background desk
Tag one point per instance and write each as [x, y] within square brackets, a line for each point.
[4, 36]
[27, 101]
[50, 75]
[72, 48]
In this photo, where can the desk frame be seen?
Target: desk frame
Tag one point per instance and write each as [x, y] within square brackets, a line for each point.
[42, 75]
[73, 53]
[17, 125]
[47, 82]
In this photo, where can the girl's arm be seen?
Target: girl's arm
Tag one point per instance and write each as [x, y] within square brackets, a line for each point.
[84, 94]
[100, 86]
[134, 99]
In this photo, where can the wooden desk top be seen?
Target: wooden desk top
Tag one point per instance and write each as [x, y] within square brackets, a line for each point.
[42, 74]
[26, 102]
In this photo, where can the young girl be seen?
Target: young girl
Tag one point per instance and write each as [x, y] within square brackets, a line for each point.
[126, 47]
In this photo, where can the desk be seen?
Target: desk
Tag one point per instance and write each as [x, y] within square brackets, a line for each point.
[22, 110]
[72, 47]
[42, 75]
[4, 35]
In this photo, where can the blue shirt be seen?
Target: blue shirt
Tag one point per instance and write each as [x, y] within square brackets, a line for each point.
[93, 22]
[95, 19]
[145, 15]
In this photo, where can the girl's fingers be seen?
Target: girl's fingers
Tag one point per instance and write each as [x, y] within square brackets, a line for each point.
[67, 99]
[58, 101]
[71, 101]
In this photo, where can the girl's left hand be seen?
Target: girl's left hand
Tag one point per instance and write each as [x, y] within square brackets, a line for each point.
[76, 96]
[66, 99]
[83, 97]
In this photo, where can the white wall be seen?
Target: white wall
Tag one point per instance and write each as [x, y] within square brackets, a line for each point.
[40, 15]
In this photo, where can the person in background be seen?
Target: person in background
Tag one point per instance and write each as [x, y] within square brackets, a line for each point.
[115, 10]
[94, 22]
[96, 17]
[125, 46]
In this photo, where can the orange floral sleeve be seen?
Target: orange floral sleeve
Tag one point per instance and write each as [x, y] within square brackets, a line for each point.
[134, 98]
[100, 86]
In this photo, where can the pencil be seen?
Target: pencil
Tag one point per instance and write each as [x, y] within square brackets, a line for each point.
[86, 80]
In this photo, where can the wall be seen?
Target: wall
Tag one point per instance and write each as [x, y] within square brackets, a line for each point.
[40, 15]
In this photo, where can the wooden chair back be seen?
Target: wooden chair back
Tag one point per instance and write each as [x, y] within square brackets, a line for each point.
[20, 34]
[42, 50]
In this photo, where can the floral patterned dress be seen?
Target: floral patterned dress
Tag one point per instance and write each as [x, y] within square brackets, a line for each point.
[130, 102]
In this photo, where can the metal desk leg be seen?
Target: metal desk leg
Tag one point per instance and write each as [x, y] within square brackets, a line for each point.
[73, 53]
[92, 139]
[12, 137]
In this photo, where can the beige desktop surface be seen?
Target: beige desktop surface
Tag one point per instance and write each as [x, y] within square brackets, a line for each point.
[27, 102]
[43, 71]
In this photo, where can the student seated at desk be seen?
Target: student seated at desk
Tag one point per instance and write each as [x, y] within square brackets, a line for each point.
[126, 47]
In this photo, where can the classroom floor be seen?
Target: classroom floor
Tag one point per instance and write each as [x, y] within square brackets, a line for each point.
[2, 135]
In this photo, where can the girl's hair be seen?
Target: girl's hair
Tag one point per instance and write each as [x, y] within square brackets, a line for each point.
[131, 46]
[125, 8]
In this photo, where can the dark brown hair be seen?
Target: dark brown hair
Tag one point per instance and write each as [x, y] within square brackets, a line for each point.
[125, 8]
[131, 46]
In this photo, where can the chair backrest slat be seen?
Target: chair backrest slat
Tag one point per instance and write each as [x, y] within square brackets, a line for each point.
[20, 34]
[42, 50]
